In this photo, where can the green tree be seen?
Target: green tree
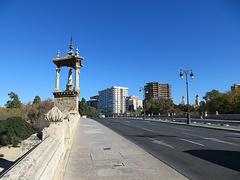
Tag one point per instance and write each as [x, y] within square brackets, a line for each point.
[92, 112]
[235, 100]
[14, 101]
[85, 110]
[214, 101]
[37, 100]
[224, 103]
[156, 106]
[83, 107]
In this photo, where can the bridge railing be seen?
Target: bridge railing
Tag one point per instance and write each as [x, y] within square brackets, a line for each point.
[47, 160]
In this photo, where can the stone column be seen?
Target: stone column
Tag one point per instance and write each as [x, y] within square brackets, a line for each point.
[57, 80]
[77, 72]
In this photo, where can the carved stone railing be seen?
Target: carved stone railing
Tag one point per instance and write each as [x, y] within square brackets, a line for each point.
[47, 160]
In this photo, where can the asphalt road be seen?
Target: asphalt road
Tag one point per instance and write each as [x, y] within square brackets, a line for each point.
[197, 153]
[212, 121]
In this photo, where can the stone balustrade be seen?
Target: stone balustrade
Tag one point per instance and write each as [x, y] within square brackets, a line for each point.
[47, 160]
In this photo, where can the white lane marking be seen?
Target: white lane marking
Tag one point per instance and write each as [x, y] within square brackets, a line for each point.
[213, 139]
[192, 142]
[193, 135]
[146, 129]
[127, 121]
[221, 141]
[161, 143]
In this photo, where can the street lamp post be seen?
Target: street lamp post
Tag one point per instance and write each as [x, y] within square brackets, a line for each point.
[186, 73]
[144, 110]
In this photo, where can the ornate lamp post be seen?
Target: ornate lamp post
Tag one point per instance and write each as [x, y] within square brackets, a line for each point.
[144, 110]
[187, 73]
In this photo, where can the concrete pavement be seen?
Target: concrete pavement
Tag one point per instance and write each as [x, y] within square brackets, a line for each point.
[100, 153]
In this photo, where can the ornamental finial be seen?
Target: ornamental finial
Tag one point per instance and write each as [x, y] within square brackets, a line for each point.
[58, 54]
[71, 47]
[77, 52]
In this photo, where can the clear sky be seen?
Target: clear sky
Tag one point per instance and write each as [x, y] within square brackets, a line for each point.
[124, 42]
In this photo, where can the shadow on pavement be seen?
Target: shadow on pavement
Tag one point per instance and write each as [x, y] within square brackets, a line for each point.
[228, 159]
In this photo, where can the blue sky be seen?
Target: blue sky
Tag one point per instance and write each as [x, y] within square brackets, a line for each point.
[124, 42]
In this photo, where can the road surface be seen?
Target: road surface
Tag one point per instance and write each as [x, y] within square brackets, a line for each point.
[235, 123]
[197, 153]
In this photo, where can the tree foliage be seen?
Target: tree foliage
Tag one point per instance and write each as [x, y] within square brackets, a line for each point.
[14, 101]
[37, 100]
[182, 109]
[224, 103]
[82, 107]
[85, 110]
[92, 112]
[37, 112]
[156, 106]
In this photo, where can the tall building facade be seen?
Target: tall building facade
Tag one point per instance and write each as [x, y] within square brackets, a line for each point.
[133, 103]
[113, 100]
[93, 101]
[155, 90]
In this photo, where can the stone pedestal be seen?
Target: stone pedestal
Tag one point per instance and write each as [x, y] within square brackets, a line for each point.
[67, 100]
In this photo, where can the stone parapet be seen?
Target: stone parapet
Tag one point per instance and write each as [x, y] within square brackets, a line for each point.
[47, 160]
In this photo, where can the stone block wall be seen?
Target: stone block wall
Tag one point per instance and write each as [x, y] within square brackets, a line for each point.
[66, 103]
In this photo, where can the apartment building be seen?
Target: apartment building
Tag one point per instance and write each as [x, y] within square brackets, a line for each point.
[155, 90]
[113, 100]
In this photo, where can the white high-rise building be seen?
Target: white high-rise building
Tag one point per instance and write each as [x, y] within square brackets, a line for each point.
[113, 100]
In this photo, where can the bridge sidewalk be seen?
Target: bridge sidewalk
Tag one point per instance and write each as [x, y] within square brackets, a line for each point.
[100, 153]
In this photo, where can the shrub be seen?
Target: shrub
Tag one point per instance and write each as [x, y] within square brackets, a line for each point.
[4, 140]
[14, 141]
[13, 130]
